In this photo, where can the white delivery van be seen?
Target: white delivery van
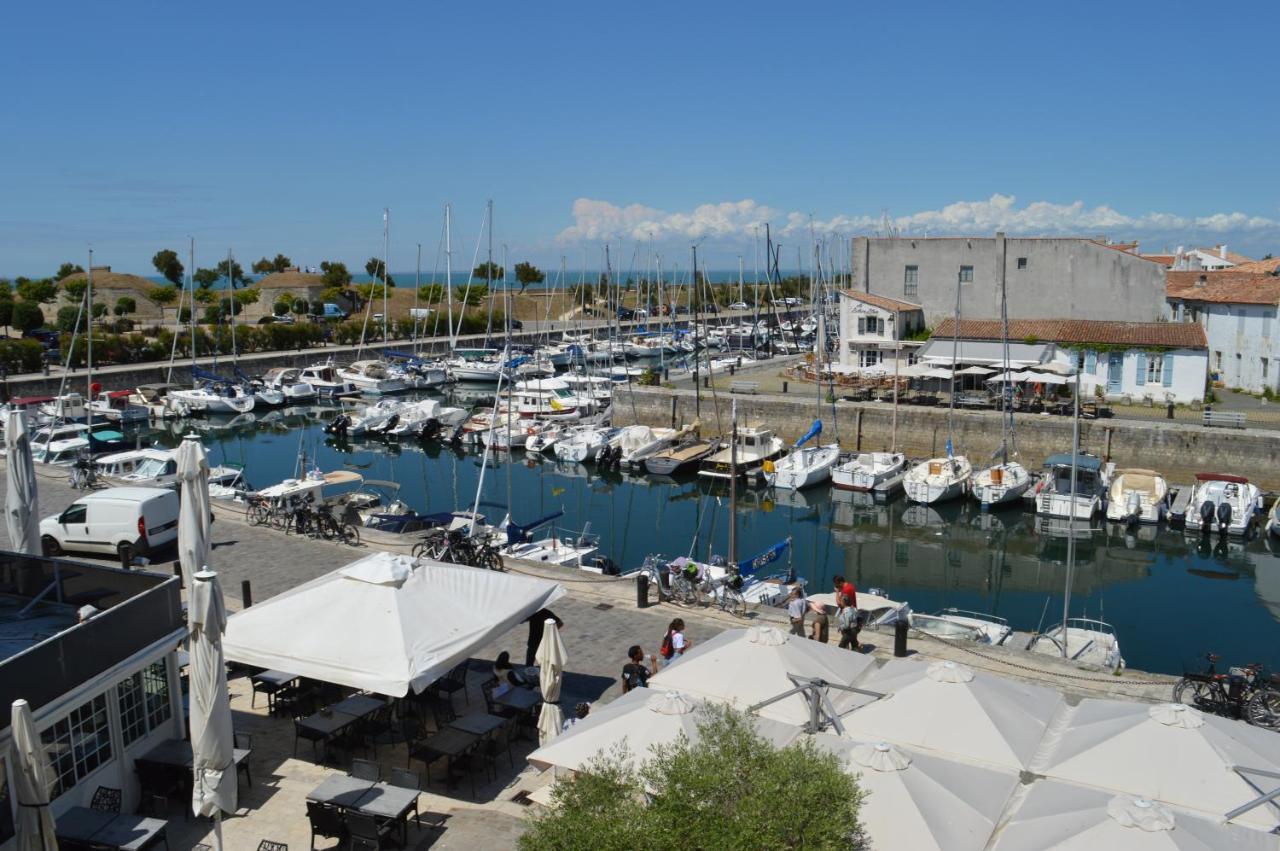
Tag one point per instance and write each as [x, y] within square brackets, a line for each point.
[123, 521]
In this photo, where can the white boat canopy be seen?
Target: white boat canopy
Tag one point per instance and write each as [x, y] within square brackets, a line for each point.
[386, 623]
[1171, 753]
[987, 719]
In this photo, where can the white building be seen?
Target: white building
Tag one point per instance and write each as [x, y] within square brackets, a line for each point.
[872, 328]
[1238, 314]
[1212, 259]
[1161, 361]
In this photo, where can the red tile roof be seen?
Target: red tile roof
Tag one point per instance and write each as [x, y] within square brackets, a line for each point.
[1226, 287]
[1268, 266]
[880, 301]
[1162, 259]
[1231, 257]
[1175, 335]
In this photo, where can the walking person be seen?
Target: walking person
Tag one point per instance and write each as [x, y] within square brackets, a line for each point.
[796, 608]
[819, 629]
[635, 674]
[849, 622]
[674, 643]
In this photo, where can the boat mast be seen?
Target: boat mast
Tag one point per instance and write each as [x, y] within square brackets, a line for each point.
[955, 354]
[1006, 395]
[231, 307]
[448, 275]
[386, 245]
[697, 382]
[191, 267]
[1071, 523]
[733, 484]
[417, 285]
[88, 378]
[488, 276]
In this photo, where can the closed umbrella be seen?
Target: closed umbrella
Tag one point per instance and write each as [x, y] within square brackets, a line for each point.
[214, 789]
[20, 495]
[551, 657]
[31, 777]
[193, 517]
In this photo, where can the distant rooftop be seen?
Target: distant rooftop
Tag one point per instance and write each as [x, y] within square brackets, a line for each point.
[1176, 335]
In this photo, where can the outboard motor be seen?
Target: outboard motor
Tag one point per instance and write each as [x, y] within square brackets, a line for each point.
[608, 566]
[1134, 506]
[1224, 516]
[392, 422]
[431, 429]
[1206, 517]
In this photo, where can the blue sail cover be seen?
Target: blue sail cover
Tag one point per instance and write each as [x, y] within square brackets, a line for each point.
[814, 431]
[748, 567]
[202, 375]
[520, 533]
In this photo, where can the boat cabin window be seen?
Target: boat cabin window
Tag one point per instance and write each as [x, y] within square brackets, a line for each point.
[74, 514]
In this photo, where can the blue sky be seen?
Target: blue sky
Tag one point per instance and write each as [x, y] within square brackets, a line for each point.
[286, 126]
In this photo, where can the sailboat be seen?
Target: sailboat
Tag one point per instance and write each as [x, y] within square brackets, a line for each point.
[374, 376]
[806, 465]
[1008, 480]
[940, 479]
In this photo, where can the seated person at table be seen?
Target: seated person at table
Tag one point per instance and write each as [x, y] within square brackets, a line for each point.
[507, 675]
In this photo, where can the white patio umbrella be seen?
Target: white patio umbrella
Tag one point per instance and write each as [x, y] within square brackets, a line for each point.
[214, 789]
[748, 666]
[948, 709]
[1048, 378]
[924, 802]
[30, 764]
[935, 372]
[1170, 753]
[193, 516]
[20, 493]
[1051, 816]
[974, 370]
[551, 658]
[640, 719]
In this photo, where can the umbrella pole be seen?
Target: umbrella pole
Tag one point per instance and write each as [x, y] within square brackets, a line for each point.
[217, 830]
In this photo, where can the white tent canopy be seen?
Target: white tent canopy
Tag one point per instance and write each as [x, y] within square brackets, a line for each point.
[1169, 753]
[1063, 817]
[946, 708]
[748, 666]
[641, 718]
[386, 623]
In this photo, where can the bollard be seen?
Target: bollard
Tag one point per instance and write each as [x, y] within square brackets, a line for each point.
[1170, 410]
[642, 591]
[246, 594]
[900, 638]
[706, 382]
[784, 387]
[731, 368]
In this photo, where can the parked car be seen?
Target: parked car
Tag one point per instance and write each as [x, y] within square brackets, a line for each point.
[625, 313]
[739, 305]
[47, 337]
[516, 325]
[123, 521]
[682, 309]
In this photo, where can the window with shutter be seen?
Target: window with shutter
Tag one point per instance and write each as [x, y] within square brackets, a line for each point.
[1166, 377]
[1141, 370]
[1090, 362]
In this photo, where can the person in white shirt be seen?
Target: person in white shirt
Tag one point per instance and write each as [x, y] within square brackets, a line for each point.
[674, 644]
[797, 605]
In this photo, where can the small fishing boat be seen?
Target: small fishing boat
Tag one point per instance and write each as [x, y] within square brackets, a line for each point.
[288, 381]
[1001, 483]
[1053, 494]
[1084, 640]
[1224, 502]
[878, 472]
[1137, 496]
[938, 479]
[157, 400]
[115, 406]
[376, 419]
[476, 365]
[755, 446]
[682, 456]
[326, 381]
[416, 418]
[584, 445]
[806, 466]
[373, 377]
[963, 625]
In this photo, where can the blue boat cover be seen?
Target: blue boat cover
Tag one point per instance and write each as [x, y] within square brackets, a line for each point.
[814, 431]
[748, 567]
[520, 533]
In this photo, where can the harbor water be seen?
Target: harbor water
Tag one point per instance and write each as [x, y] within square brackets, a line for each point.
[1171, 597]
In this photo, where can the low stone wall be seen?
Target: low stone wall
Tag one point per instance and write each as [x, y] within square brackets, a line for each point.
[1178, 450]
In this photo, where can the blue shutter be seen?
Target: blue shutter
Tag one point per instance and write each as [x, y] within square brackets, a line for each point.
[1166, 376]
[1142, 368]
[1090, 362]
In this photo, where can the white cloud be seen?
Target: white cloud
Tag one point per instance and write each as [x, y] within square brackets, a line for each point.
[600, 220]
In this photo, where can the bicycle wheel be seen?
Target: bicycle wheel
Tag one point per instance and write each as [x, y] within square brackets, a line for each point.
[281, 519]
[421, 550]
[349, 534]
[1263, 709]
[733, 602]
[1197, 693]
[258, 515]
[327, 527]
[685, 592]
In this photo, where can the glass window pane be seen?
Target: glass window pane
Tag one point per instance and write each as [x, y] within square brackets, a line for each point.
[155, 682]
[133, 720]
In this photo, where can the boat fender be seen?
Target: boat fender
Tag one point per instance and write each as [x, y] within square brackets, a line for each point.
[1206, 515]
[1224, 515]
[769, 466]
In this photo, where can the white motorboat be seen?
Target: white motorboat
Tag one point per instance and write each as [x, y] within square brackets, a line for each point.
[511, 431]
[415, 417]
[805, 467]
[593, 391]
[938, 479]
[1001, 483]
[962, 625]
[325, 380]
[476, 365]
[1273, 519]
[636, 443]
[115, 406]
[1084, 640]
[564, 550]
[646, 346]
[60, 453]
[288, 381]
[155, 467]
[1053, 494]
[65, 408]
[755, 446]
[545, 399]
[583, 445]
[157, 400]
[1137, 496]
[373, 377]
[546, 439]
[211, 398]
[377, 418]
[1223, 502]
[870, 472]
[416, 373]
[265, 396]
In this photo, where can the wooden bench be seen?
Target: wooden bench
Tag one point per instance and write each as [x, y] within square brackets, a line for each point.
[744, 386]
[1224, 419]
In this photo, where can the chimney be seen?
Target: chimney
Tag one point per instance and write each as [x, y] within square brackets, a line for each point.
[1202, 281]
[1222, 251]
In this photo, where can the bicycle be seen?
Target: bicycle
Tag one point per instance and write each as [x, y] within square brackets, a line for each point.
[1239, 693]
[729, 597]
[84, 474]
[331, 528]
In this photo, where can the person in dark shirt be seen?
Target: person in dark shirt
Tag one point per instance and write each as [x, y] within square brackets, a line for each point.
[635, 674]
[537, 621]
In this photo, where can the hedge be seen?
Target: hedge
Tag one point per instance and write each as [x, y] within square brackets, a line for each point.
[21, 355]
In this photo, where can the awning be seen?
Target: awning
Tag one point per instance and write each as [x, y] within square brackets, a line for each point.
[386, 623]
[983, 352]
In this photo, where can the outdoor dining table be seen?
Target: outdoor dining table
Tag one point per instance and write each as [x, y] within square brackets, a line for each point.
[110, 830]
[523, 699]
[380, 800]
[479, 723]
[177, 753]
[270, 682]
[327, 722]
[359, 705]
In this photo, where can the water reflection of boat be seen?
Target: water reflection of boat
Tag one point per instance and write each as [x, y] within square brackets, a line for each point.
[938, 515]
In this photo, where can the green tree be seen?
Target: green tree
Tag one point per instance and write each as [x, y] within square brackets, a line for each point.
[162, 297]
[431, 293]
[374, 270]
[281, 263]
[472, 296]
[205, 295]
[125, 305]
[6, 305]
[729, 789]
[206, 278]
[27, 316]
[527, 273]
[66, 318]
[263, 267]
[300, 306]
[488, 271]
[365, 291]
[247, 297]
[332, 294]
[167, 264]
[335, 274]
[42, 291]
[236, 278]
[67, 269]
[99, 310]
[284, 301]
[74, 289]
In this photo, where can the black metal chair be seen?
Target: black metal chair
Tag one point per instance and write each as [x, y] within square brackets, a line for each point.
[493, 707]
[365, 832]
[326, 822]
[366, 769]
[244, 742]
[403, 779]
[451, 683]
[307, 734]
[106, 799]
[377, 724]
